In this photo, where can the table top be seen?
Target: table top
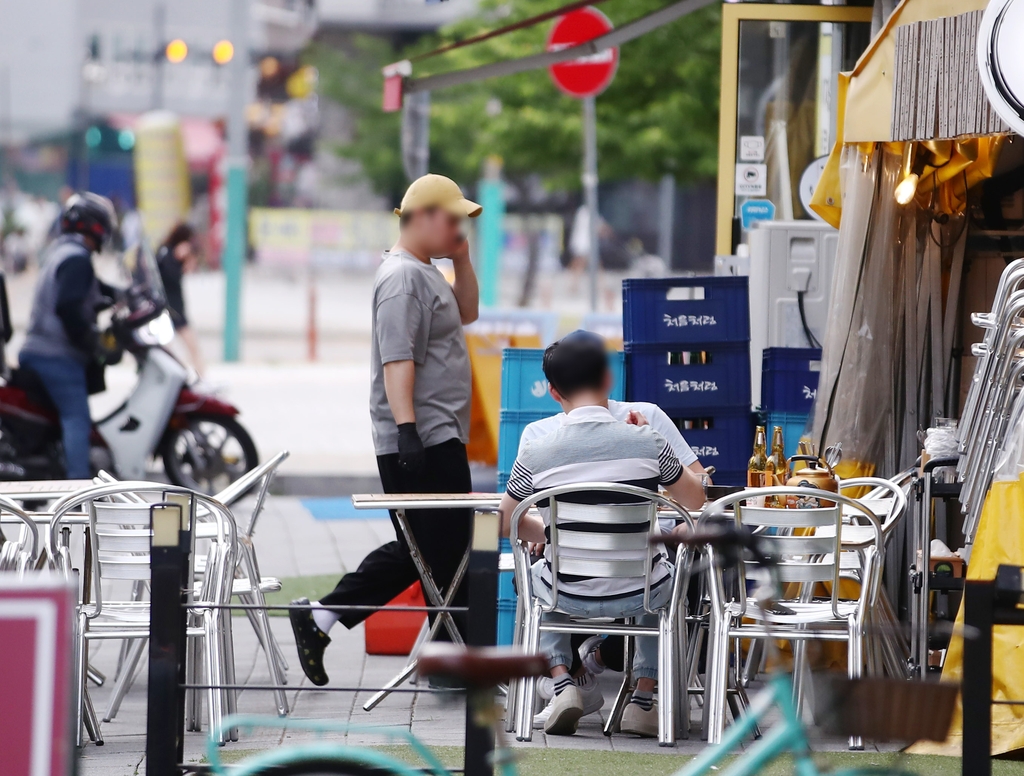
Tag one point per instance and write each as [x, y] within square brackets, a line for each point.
[41, 489]
[425, 500]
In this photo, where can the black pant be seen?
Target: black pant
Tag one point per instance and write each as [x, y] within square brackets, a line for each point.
[442, 534]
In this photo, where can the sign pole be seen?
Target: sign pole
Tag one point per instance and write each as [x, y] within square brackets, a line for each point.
[590, 191]
[237, 190]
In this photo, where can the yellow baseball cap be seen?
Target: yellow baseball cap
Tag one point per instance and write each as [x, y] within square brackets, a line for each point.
[437, 191]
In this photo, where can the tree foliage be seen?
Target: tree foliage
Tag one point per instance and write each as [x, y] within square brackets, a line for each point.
[660, 114]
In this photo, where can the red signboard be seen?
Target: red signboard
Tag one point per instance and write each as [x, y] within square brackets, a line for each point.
[36, 615]
[392, 93]
[589, 75]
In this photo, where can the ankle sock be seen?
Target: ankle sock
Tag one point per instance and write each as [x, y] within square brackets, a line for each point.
[645, 700]
[324, 618]
[586, 679]
[562, 682]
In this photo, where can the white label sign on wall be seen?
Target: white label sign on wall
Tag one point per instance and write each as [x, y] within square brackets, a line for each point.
[751, 180]
[751, 148]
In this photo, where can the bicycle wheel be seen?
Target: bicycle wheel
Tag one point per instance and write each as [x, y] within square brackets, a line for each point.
[321, 768]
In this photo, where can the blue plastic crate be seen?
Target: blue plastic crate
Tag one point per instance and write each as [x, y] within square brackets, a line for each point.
[695, 309]
[793, 425]
[525, 389]
[687, 376]
[506, 608]
[720, 438]
[789, 379]
[736, 478]
[510, 428]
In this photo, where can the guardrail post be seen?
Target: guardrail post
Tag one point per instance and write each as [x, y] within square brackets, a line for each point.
[976, 688]
[165, 720]
[481, 630]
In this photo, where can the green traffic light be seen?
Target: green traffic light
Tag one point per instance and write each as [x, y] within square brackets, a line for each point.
[93, 136]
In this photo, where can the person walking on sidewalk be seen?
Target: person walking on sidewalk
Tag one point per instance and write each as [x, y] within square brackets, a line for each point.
[419, 407]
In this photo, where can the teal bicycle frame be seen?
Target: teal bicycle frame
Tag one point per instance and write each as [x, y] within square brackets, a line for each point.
[787, 737]
[334, 752]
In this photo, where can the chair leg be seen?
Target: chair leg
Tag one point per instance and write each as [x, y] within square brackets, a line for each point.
[194, 698]
[92, 722]
[126, 678]
[227, 656]
[718, 678]
[666, 678]
[79, 673]
[515, 686]
[611, 725]
[261, 624]
[524, 728]
[855, 663]
[212, 670]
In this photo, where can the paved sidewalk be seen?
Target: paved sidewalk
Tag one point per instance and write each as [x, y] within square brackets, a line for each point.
[291, 543]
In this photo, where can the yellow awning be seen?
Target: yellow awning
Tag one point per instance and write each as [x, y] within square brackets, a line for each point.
[869, 95]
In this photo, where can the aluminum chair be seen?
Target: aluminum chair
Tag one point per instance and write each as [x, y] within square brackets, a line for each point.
[19, 554]
[118, 549]
[594, 554]
[805, 560]
[249, 586]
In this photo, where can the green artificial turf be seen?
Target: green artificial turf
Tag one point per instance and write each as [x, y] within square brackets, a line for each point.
[312, 587]
[581, 762]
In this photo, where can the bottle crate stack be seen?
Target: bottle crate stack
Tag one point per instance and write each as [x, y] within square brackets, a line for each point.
[789, 386]
[524, 399]
[687, 343]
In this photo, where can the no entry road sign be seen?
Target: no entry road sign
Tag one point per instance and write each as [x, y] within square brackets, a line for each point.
[589, 75]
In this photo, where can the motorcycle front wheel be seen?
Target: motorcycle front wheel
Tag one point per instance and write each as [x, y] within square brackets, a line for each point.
[208, 454]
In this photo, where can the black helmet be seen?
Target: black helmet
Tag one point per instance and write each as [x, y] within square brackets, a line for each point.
[89, 214]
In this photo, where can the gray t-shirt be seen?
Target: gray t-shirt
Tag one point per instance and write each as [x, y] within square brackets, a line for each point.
[416, 317]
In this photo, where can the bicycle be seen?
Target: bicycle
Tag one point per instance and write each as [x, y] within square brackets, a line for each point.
[480, 670]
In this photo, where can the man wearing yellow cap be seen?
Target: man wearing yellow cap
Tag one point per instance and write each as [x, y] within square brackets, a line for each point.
[419, 405]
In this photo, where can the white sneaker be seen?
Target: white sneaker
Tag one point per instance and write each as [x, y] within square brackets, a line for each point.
[590, 694]
[639, 722]
[587, 648]
[563, 712]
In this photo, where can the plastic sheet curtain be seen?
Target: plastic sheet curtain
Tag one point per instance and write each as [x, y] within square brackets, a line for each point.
[886, 365]
[858, 394]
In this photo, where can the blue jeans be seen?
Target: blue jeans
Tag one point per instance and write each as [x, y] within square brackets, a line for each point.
[65, 382]
[558, 646]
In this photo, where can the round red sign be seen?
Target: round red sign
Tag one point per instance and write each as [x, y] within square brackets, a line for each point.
[590, 75]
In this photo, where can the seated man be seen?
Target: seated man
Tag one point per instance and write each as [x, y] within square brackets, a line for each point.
[622, 410]
[591, 445]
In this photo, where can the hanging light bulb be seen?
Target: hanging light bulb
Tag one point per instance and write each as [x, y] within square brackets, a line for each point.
[907, 188]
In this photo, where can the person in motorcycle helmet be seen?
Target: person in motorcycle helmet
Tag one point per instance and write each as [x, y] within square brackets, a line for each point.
[63, 340]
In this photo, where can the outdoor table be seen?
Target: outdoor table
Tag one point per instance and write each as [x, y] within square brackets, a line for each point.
[41, 490]
[399, 503]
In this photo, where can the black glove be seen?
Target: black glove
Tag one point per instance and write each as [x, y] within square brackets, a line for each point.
[411, 455]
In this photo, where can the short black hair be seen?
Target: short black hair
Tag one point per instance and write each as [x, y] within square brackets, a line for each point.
[181, 232]
[577, 362]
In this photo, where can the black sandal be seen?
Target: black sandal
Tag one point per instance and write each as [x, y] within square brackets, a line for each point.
[310, 642]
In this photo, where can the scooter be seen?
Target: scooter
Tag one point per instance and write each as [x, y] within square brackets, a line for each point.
[197, 435]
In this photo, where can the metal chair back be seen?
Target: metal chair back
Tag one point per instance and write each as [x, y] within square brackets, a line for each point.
[19, 554]
[622, 551]
[801, 558]
[121, 535]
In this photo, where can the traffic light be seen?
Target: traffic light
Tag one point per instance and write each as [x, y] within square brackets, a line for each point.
[223, 52]
[176, 51]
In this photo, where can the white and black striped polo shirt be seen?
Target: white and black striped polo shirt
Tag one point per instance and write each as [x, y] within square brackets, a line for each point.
[592, 446]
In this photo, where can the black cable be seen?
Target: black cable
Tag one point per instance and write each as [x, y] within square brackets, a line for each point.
[811, 339]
